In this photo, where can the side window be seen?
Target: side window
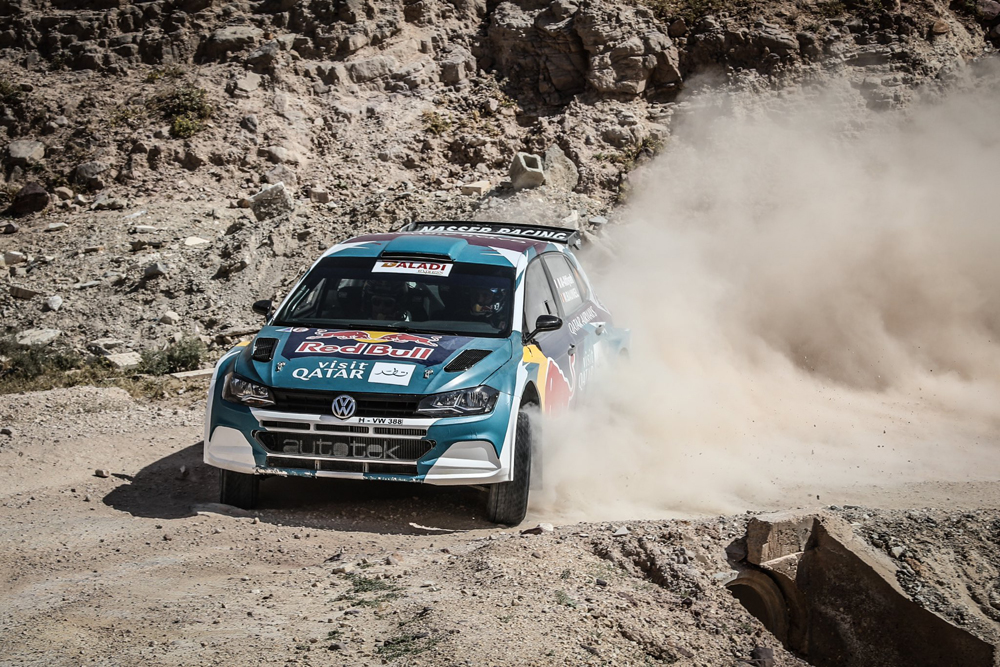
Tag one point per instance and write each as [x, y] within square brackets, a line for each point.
[566, 286]
[578, 274]
[538, 299]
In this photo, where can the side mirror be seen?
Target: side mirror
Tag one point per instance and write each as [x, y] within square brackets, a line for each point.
[262, 307]
[544, 323]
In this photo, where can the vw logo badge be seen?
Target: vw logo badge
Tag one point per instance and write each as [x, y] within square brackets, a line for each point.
[343, 407]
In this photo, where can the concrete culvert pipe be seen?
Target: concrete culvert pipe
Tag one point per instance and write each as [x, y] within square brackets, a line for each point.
[758, 593]
[834, 601]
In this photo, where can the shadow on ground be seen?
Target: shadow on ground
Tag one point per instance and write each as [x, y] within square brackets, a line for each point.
[173, 486]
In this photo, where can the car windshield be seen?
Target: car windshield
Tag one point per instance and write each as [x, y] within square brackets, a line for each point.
[425, 296]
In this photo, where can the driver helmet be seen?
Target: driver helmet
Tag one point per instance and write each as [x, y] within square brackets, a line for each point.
[385, 299]
[486, 301]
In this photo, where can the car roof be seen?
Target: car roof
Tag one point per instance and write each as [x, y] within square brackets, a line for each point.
[443, 246]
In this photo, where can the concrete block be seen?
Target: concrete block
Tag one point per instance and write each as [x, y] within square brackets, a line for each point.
[124, 360]
[476, 188]
[526, 171]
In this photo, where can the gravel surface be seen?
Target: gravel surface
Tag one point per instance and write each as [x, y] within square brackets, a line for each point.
[143, 567]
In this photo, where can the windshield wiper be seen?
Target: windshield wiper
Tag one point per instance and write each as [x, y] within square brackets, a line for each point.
[405, 329]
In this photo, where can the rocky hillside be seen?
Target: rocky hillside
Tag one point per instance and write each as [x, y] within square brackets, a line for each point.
[138, 133]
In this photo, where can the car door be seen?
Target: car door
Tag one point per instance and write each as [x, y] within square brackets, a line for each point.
[555, 372]
[577, 311]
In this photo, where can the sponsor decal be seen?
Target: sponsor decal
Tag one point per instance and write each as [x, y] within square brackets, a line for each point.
[421, 268]
[363, 349]
[556, 389]
[559, 388]
[568, 291]
[388, 373]
[425, 349]
[331, 370]
[376, 337]
[588, 366]
[581, 320]
[312, 445]
[548, 234]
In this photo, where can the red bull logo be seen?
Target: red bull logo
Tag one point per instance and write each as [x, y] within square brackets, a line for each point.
[365, 349]
[376, 337]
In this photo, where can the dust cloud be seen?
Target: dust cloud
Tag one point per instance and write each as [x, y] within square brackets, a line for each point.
[813, 291]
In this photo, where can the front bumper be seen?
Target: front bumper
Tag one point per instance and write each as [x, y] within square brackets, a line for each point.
[446, 451]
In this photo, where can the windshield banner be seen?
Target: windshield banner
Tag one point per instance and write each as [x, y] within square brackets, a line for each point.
[421, 268]
[426, 349]
[555, 234]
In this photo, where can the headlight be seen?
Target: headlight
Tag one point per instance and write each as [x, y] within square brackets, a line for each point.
[241, 390]
[476, 401]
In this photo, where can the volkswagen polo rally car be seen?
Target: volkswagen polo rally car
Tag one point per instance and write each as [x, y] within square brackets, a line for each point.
[413, 356]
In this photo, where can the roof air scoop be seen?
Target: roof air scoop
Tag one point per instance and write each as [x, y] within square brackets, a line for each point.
[442, 248]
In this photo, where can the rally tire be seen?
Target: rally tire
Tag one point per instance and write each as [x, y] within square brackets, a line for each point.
[238, 489]
[537, 474]
[508, 501]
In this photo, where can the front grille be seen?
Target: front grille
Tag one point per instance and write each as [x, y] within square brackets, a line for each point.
[341, 466]
[368, 405]
[337, 428]
[344, 446]
[416, 432]
[294, 426]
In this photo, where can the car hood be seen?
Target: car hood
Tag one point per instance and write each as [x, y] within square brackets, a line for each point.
[370, 361]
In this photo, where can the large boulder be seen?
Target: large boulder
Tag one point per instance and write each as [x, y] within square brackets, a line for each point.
[369, 69]
[37, 337]
[987, 10]
[242, 86]
[280, 174]
[457, 65]
[555, 52]
[539, 52]
[263, 58]
[279, 155]
[24, 152]
[32, 198]
[228, 40]
[271, 202]
[89, 174]
[560, 171]
[628, 54]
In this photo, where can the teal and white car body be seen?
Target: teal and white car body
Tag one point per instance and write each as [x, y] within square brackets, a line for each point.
[430, 396]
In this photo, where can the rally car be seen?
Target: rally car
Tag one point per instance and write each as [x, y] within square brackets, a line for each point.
[413, 356]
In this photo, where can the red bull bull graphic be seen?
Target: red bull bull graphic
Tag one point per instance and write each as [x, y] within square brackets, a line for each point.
[377, 337]
[555, 389]
[425, 349]
[364, 349]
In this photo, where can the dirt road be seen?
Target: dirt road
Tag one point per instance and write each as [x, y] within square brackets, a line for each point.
[141, 567]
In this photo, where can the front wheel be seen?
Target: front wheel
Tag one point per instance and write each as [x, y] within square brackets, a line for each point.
[238, 489]
[508, 501]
